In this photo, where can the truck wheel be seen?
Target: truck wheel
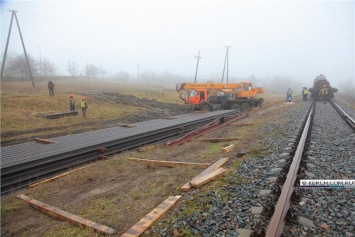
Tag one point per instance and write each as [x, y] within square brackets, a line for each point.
[236, 107]
[206, 107]
[246, 107]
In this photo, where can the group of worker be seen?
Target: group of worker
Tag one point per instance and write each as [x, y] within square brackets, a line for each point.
[83, 102]
[323, 94]
[305, 93]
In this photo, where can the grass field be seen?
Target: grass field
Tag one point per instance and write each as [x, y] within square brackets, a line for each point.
[22, 106]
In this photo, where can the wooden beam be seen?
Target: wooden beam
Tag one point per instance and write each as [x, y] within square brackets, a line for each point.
[55, 177]
[170, 163]
[66, 216]
[186, 187]
[228, 148]
[219, 139]
[151, 217]
[207, 178]
[45, 141]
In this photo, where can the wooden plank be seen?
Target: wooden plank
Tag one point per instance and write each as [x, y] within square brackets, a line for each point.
[55, 177]
[207, 178]
[186, 187]
[219, 139]
[45, 141]
[146, 148]
[170, 163]
[66, 216]
[228, 148]
[151, 217]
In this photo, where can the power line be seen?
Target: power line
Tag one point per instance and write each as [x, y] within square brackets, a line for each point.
[70, 21]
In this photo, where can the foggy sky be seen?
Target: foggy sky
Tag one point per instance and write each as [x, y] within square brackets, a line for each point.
[297, 39]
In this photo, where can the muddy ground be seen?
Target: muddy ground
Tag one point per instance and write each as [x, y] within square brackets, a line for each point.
[117, 192]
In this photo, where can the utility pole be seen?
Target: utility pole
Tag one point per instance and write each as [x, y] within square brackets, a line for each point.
[23, 45]
[198, 59]
[226, 62]
[138, 73]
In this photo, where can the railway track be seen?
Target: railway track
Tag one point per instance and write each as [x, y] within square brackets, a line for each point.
[26, 163]
[247, 204]
[307, 156]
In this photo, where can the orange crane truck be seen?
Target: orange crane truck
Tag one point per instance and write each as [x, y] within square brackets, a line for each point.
[216, 96]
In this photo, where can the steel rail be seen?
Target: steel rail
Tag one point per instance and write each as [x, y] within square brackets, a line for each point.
[30, 152]
[22, 174]
[92, 147]
[48, 166]
[207, 128]
[277, 221]
[88, 142]
[350, 121]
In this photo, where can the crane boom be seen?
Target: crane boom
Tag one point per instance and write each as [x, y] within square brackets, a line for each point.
[216, 86]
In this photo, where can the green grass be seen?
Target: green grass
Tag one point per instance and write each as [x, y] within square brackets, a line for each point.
[11, 206]
[212, 149]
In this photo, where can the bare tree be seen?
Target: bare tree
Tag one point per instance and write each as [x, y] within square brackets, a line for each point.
[102, 72]
[10, 57]
[18, 65]
[73, 68]
[48, 67]
[91, 71]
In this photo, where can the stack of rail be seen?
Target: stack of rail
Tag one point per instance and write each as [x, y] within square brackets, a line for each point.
[23, 163]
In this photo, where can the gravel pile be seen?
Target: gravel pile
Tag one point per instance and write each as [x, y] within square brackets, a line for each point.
[242, 203]
[331, 155]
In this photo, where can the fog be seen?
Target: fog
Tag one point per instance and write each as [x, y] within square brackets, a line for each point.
[296, 40]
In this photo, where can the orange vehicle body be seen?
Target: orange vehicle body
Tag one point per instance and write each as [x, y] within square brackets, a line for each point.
[214, 96]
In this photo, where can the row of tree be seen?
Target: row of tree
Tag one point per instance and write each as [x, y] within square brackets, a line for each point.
[16, 65]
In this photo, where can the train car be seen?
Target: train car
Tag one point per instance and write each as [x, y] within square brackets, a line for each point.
[318, 83]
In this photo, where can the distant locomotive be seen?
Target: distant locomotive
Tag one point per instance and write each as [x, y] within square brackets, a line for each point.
[320, 82]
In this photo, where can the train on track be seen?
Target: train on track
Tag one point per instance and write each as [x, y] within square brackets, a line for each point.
[318, 83]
